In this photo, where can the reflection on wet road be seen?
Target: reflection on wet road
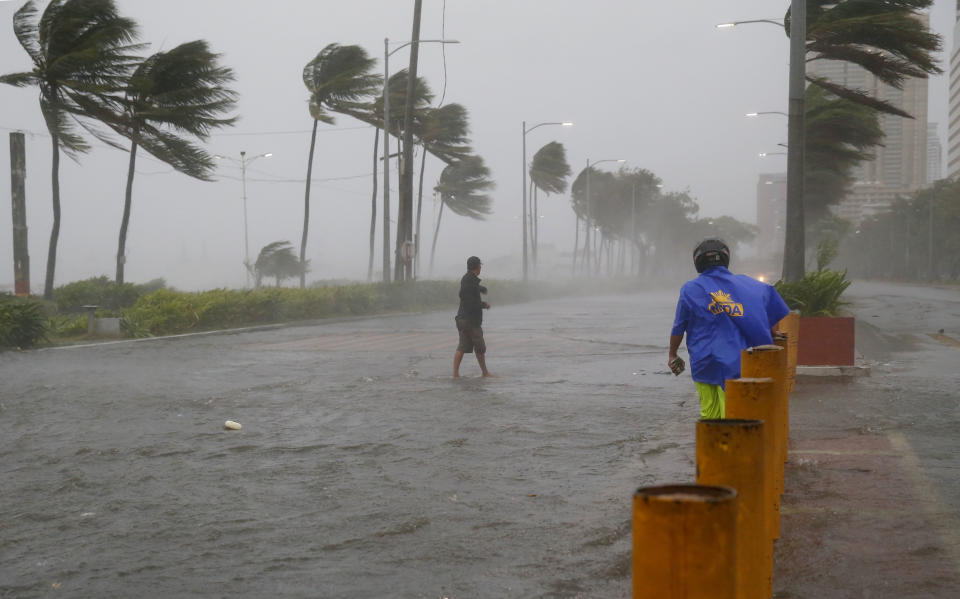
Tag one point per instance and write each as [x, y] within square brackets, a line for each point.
[362, 469]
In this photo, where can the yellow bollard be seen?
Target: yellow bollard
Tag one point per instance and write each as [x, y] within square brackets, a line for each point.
[684, 542]
[791, 322]
[755, 399]
[730, 452]
[784, 344]
[770, 361]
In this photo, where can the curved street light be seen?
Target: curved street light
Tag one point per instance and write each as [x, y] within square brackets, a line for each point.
[244, 161]
[524, 184]
[753, 114]
[778, 23]
[387, 52]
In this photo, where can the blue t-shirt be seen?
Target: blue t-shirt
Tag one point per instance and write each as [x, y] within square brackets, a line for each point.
[722, 314]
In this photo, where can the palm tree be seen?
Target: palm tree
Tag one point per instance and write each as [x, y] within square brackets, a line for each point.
[182, 90]
[277, 260]
[548, 173]
[443, 132]
[461, 188]
[81, 50]
[887, 38]
[838, 135]
[339, 79]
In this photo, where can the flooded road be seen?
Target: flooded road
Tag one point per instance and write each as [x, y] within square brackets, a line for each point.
[362, 469]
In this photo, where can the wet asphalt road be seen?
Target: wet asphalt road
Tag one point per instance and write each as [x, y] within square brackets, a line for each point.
[363, 469]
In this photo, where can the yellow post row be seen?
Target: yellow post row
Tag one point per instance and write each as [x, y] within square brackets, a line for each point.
[684, 542]
[770, 361]
[730, 452]
[755, 399]
[784, 344]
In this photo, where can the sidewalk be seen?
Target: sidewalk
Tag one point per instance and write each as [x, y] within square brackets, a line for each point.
[872, 491]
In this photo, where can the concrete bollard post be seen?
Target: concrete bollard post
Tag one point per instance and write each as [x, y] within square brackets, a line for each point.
[755, 399]
[770, 361]
[730, 452]
[684, 542]
[784, 344]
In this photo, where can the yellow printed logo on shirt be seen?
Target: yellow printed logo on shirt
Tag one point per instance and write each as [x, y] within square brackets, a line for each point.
[722, 302]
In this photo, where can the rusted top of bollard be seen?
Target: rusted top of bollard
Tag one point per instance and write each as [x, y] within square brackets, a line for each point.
[752, 380]
[739, 422]
[687, 493]
[760, 348]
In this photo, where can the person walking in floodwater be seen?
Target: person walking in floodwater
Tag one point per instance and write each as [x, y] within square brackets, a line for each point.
[721, 314]
[469, 318]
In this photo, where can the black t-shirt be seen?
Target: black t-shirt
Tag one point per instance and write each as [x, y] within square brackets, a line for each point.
[471, 306]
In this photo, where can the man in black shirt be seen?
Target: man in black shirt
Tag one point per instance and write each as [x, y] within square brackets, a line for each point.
[469, 318]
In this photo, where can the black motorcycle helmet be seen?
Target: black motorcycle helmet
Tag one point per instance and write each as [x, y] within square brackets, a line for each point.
[711, 252]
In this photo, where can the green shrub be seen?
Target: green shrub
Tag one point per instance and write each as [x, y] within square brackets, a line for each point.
[816, 294]
[23, 322]
[68, 325]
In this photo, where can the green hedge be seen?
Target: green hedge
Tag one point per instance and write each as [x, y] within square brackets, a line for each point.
[102, 292]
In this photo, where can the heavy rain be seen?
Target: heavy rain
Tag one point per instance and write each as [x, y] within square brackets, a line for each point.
[247, 250]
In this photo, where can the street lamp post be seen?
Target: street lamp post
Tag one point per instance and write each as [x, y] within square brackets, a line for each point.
[244, 161]
[387, 52]
[794, 244]
[588, 257]
[523, 128]
[753, 114]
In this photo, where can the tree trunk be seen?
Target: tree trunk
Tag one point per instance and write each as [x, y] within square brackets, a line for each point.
[125, 221]
[576, 242]
[55, 231]
[436, 233]
[373, 202]
[416, 237]
[306, 208]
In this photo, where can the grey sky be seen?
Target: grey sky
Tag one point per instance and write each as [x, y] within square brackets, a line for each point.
[653, 83]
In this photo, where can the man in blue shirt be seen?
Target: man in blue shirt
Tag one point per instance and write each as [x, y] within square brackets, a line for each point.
[721, 314]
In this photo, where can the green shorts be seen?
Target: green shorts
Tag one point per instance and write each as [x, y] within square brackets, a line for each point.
[712, 401]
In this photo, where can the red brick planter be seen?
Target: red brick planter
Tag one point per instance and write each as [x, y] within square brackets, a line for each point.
[825, 341]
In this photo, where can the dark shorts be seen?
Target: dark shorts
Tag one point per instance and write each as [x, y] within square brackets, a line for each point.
[471, 338]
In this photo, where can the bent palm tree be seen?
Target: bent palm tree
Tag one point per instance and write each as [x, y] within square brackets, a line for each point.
[444, 133]
[887, 38]
[548, 173]
[461, 188]
[81, 51]
[182, 90]
[339, 79]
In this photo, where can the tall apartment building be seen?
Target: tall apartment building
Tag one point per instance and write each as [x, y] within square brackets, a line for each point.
[934, 154]
[899, 166]
[953, 129]
[771, 213]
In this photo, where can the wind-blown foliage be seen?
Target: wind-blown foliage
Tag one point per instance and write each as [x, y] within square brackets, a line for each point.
[884, 37]
[277, 260]
[549, 168]
[181, 91]
[462, 188]
[838, 136]
[81, 51]
[339, 79]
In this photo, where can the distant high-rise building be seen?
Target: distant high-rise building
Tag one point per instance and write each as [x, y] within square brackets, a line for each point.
[771, 213]
[899, 166]
[953, 132]
[934, 154]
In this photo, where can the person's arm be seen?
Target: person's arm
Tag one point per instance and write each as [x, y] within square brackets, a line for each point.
[674, 346]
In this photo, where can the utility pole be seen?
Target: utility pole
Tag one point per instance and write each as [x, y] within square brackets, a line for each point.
[405, 216]
[18, 175]
[794, 246]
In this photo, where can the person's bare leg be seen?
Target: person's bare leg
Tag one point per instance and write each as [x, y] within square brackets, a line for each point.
[482, 361]
[457, 358]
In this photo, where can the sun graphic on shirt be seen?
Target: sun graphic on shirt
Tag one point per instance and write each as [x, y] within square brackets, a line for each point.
[723, 303]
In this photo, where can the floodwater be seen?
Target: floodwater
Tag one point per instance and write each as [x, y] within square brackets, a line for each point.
[362, 469]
